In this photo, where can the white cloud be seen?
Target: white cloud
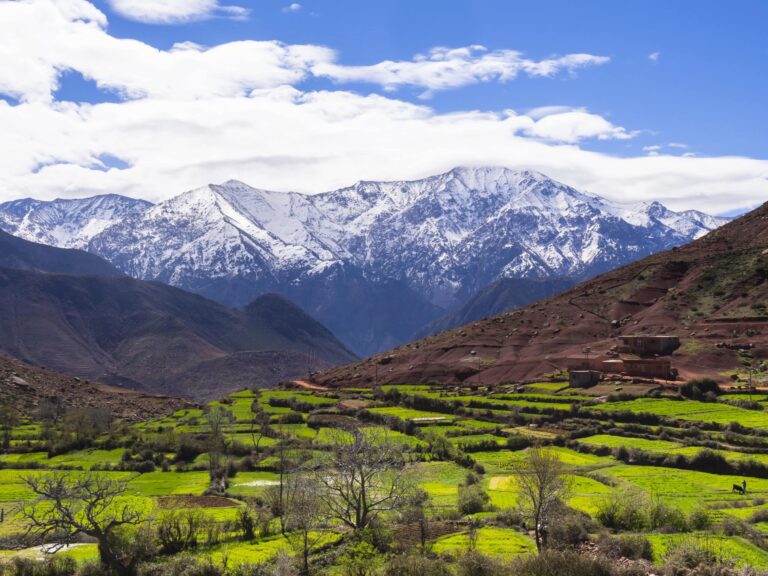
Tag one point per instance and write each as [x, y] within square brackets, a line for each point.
[560, 124]
[444, 68]
[652, 150]
[198, 115]
[654, 56]
[45, 38]
[175, 11]
[295, 7]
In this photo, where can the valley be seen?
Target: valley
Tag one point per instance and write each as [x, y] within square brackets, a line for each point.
[651, 463]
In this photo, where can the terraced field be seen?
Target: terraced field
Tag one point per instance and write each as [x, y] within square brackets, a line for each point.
[447, 438]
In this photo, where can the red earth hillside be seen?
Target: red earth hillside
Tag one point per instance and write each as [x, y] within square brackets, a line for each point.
[712, 293]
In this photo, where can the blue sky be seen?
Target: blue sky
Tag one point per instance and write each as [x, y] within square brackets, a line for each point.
[706, 89]
[662, 88]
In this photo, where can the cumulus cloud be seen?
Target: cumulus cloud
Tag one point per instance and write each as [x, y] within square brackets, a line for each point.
[571, 125]
[294, 7]
[175, 11]
[193, 115]
[654, 56]
[72, 35]
[445, 68]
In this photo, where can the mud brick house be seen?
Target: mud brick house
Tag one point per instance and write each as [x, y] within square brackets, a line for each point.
[649, 345]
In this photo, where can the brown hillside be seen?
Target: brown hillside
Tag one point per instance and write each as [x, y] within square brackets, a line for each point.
[25, 386]
[711, 291]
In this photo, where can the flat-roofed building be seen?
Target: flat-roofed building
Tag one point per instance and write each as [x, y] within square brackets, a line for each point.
[644, 345]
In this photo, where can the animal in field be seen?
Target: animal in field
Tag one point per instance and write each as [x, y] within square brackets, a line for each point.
[739, 489]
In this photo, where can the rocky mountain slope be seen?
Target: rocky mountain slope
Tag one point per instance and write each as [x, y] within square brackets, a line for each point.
[712, 293]
[499, 296]
[423, 247]
[25, 387]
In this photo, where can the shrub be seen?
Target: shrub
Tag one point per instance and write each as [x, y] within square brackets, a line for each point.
[476, 564]
[569, 531]
[666, 518]
[697, 388]
[472, 499]
[699, 519]
[633, 547]
[181, 566]
[691, 558]
[562, 563]
[56, 566]
[416, 565]
[624, 510]
[179, 530]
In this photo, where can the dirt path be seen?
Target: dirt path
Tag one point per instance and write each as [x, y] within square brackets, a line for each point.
[310, 386]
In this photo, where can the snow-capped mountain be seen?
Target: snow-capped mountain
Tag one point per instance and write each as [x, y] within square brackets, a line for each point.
[69, 223]
[430, 244]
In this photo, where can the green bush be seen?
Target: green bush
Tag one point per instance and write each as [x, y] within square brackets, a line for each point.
[474, 563]
[562, 563]
[416, 565]
[472, 499]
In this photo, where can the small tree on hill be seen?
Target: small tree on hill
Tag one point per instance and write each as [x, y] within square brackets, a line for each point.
[542, 485]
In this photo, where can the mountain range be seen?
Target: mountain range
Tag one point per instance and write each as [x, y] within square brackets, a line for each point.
[99, 324]
[711, 293]
[376, 262]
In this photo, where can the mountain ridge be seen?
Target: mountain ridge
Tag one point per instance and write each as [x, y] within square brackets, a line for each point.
[439, 239]
[711, 293]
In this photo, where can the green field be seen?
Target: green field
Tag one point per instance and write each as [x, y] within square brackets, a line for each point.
[166, 466]
[693, 411]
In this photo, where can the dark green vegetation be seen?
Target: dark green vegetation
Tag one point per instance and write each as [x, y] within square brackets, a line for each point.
[393, 480]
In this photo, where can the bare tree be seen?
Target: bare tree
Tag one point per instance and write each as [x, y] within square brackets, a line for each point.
[217, 419]
[258, 425]
[289, 462]
[542, 485]
[304, 514]
[363, 477]
[415, 511]
[69, 504]
[9, 417]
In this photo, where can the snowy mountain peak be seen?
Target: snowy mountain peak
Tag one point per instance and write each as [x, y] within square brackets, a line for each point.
[434, 241]
[67, 223]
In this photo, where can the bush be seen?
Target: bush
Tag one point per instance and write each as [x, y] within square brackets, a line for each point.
[698, 388]
[476, 564]
[181, 566]
[633, 547]
[178, 530]
[624, 510]
[472, 499]
[665, 518]
[700, 520]
[416, 565]
[56, 566]
[562, 563]
[569, 531]
[693, 559]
